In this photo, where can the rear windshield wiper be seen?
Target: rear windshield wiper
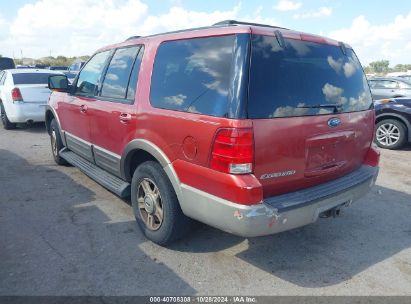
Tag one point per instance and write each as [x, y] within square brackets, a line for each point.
[337, 107]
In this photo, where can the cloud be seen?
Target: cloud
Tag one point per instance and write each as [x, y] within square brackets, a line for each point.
[46, 26]
[332, 93]
[335, 64]
[318, 13]
[177, 100]
[378, 41]
[287, 5]
[287, 111]
[3, 26]
[349, 68]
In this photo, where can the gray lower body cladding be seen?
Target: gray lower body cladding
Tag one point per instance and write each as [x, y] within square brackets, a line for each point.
[280, 213]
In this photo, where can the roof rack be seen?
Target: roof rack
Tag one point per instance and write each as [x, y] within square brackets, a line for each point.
[132, 37]
[221, 24]
[235, 22]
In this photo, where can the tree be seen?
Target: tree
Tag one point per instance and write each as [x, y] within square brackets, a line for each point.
[380, 66]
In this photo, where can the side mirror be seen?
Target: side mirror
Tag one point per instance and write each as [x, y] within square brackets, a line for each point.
[58, 82]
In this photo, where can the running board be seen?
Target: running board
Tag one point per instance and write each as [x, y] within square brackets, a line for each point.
[107, 180]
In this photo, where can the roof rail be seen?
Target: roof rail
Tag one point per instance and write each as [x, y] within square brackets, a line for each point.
[132, 37]
[235, 22]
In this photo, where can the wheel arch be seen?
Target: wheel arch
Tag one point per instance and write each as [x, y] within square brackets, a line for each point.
[140, 150]
[50, 113]
[398, 117]
[48, 118]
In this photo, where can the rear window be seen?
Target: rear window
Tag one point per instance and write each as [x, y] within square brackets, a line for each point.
[31, 78]
[304, 78]
[193, 75]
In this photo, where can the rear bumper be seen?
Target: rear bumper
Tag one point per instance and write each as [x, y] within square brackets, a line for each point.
[24, 112]
[279, 213]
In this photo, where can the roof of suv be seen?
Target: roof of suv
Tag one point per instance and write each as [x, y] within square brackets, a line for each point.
[224, 28]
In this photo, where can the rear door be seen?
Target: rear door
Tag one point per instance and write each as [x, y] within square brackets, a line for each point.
[113, 113]
[311, 109]
[73, 111]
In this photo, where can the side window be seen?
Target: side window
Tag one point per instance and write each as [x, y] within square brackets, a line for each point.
[132, 84]
[388, 84]
[2, 77]
[193, 75]
[372, 83]
[117, 77]
[89, 77]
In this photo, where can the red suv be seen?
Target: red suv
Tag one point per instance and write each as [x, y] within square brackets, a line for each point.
[249, 128]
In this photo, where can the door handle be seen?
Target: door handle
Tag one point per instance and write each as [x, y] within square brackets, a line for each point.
[125, 117]
[83, 108]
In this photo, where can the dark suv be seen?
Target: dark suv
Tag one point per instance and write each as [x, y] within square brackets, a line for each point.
[249, 128]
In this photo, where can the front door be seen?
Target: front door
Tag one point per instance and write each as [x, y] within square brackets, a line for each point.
[74, 111]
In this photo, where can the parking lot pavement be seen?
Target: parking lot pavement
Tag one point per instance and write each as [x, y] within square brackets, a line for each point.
[63, 234]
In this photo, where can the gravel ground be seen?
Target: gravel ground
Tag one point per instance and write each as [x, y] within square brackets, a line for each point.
[63, 234]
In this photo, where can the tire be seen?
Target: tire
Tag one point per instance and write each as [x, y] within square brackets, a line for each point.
[7, 125]
[56, 143]
[153, 195]
[390, 134]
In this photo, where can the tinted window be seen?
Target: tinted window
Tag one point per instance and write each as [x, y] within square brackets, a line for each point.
[193, 75]
[31, 78]
[297, 79]
[118, 73]
[132, 86]
[62, 68]
[89, 77]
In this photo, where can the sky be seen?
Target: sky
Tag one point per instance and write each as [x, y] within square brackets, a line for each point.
[38, 28]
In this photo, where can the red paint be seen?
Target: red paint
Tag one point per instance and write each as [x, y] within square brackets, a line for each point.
[372, 158]
[241, 189]
[307, 145]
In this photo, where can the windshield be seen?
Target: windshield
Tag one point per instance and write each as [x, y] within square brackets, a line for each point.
[304, 78]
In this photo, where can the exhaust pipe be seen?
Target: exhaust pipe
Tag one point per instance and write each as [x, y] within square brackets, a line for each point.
[333, 212]
[336, 211]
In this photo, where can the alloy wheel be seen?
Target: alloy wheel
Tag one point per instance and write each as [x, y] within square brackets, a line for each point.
[388, 134]
[150, 204]
[54, 143]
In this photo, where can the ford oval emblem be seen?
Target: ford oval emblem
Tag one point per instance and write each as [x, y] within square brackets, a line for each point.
[334, 122]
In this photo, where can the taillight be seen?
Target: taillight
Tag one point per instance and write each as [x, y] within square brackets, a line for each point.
[16, 95]
[233, 151]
